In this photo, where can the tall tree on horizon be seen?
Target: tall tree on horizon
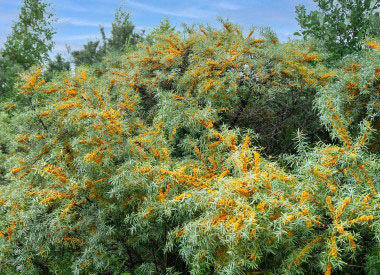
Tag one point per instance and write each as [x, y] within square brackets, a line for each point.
[30, 42]
[31, 39]
[122, 35]
[122, 32]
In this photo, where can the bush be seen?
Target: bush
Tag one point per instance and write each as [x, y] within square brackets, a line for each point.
[149, 166]
[355, 94]
[250, 81]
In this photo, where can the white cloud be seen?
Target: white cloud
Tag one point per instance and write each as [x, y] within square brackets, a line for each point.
[229, 6]
[80, 22]
[63, 5]
[189, 12]
[79, 37]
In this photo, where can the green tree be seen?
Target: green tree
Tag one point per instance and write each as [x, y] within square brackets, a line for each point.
[59, 64]
[90, 54]
[340, 25]
[8, 74]
[29, 43]
[122, 32]
[31, 38]
[122, 35]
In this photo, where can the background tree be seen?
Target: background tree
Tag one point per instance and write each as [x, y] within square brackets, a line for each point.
[122, 32]
[59, 64]
[31, 38]
[90, 54]
[122, 35]
[164, 28]
[340, 25]
[8, 74]
[29, 43]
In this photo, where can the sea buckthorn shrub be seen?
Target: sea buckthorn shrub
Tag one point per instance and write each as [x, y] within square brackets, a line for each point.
[250, 80]
[355, 94]
[85, 162]
[79, 140]
[322, 218]
[128, 168]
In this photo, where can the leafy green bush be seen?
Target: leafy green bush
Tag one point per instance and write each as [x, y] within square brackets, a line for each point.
[341, 26]
[8, 75]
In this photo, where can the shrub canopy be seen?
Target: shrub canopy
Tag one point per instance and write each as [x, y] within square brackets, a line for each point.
[152, 164]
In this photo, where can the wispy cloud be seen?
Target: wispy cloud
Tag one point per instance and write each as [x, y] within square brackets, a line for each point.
[80, 22]
[71, 7]
[229, 6]
[188, 12]
[79, 37]
[86, 7]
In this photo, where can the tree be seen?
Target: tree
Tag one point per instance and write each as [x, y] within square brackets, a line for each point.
[340, 25]
[90, 54]
[57, 65]
[8, 74]
[29, 43]
[31, 38]
[122, 34]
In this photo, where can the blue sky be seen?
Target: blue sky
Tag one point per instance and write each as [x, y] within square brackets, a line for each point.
[78, 21]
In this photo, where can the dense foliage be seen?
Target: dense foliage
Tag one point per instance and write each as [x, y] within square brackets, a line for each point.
[178, 157]
[341, 26]
[9, 70]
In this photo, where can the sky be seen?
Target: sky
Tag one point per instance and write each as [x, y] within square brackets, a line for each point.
[78, 21]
